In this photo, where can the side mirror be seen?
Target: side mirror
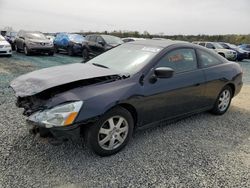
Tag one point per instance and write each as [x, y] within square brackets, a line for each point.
[101, 43]
[164, 72]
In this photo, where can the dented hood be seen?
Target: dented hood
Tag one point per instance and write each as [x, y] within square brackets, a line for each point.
[38, 81]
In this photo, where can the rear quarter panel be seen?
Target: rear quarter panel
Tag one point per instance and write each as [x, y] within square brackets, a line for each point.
[219, 76]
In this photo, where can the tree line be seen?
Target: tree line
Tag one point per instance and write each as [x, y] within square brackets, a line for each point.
[231, 38]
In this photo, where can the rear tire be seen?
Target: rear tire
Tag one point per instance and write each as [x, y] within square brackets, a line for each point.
[223, 101]
[111, 132]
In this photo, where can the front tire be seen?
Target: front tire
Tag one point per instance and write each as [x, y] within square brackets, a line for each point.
[17, 49]
[26, 50]
[111, 132]
[85, 55]
[70, 51]
[223, 101]
[51, 53]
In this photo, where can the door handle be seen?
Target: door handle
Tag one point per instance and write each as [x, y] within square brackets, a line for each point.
[198, 84]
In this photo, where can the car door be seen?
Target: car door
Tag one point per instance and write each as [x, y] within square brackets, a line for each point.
[19, 40]
[91, 45]
[100, 45]
[181, 94]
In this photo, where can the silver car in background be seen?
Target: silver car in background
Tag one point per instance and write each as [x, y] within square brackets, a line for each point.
[33, 42]
[5, 47]
[227, 53]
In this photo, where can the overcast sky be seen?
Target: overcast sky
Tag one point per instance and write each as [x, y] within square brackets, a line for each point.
[155, 16]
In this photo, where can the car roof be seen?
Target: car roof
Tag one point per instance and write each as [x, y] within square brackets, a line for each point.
[158, 43]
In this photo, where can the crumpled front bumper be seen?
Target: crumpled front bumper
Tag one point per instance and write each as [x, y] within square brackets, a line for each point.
[71, 132]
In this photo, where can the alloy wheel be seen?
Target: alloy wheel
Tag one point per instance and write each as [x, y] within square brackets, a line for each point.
[224, 100]
[113, 133]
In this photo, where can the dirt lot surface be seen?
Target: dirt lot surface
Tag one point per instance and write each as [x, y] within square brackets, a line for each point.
[199, 151]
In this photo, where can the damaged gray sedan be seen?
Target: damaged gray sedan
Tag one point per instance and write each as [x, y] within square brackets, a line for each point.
[129, 87]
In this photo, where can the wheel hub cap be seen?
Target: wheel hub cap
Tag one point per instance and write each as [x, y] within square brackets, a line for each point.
[113, 133]
[224, 100]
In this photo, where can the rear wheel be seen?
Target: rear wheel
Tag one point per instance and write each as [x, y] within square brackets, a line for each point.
[223, 101]
[111, 132]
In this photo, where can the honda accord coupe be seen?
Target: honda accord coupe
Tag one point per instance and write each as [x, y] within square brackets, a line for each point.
[132, 86]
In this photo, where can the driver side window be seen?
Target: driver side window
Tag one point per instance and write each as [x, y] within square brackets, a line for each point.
[180, 60]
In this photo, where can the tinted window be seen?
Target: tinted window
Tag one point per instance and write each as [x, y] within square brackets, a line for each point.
[180, 60]
[209, 45]
[92, 38]
[98, 39]
[202, 43]
[207, 60]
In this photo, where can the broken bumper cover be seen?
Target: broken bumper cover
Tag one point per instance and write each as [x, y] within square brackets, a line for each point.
[71, 132]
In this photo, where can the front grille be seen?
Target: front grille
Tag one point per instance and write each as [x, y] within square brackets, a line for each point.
[3, 52]
[1, 46]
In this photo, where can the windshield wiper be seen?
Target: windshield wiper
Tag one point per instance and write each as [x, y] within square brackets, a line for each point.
[99, 65]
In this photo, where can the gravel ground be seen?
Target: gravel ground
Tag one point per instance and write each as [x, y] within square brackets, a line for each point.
[199, 151]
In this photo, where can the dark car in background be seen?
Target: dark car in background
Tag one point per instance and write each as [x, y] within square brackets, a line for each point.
[129, 87]
[245, 47]
[68, 42]
[33, 42]
[97, 44]
[241, 54]
[10, 37]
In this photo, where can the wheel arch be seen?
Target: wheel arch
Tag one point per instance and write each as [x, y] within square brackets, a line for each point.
[232, 86]
[132, 111]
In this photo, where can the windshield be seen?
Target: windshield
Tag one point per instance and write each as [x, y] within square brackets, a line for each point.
[112, 39]
[232, 46]
[13, 34]
[247, 46]
[2, 38]
[35, 36]
[218, 46]
[127, 58]
[76, 38]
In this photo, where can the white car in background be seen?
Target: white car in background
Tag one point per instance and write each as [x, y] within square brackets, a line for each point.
[131, 39]
[5, 47]
[227, 53]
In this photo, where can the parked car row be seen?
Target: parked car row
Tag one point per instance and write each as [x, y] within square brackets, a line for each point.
[229, 51]
[93, 45]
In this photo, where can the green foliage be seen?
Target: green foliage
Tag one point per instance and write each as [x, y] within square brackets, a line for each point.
[234, 39]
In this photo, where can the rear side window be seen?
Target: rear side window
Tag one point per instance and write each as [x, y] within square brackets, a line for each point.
[92, 38]
[202, 44]
[181, 60]
[210, 46]
[99, 39]
[207, 60]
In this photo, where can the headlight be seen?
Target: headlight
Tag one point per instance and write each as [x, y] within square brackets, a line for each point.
[7, 46]
[31, 43]
[62, 115]
[50, 44]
